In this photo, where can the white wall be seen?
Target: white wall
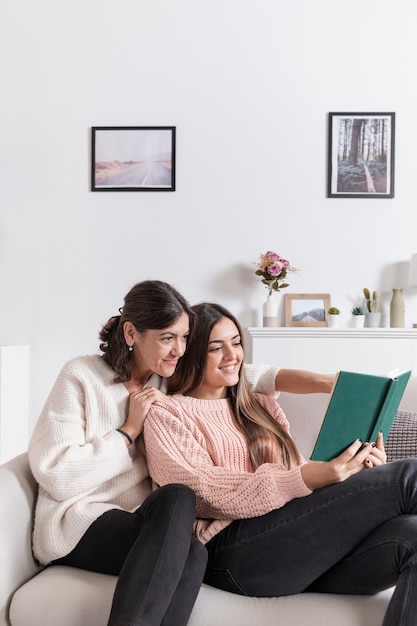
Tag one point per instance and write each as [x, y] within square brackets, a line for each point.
[248, 84]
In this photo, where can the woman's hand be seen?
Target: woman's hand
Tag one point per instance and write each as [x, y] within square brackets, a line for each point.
[377, 454]
[139, 405]
[353, 460]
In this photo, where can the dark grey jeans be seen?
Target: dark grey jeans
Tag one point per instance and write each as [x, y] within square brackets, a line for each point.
[354, 537]
[159, 563]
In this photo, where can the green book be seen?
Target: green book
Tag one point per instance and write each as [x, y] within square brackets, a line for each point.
[360, 406]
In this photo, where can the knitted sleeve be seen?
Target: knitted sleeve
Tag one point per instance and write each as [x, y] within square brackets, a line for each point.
[178, 452]
[261, 377]
[74, 447]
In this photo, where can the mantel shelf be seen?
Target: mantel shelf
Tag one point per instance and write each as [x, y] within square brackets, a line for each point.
[327, 350]
[331, 333]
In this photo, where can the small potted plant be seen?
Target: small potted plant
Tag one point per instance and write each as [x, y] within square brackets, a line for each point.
[358, 317]
[333, 317]
[373, 316]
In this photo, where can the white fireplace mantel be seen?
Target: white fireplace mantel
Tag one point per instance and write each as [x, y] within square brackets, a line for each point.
[327, 350]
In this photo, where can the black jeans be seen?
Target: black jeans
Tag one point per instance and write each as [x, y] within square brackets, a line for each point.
[354, 537]
[159, 563]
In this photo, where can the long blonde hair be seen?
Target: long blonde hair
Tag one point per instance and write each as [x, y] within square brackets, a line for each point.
[267, 440]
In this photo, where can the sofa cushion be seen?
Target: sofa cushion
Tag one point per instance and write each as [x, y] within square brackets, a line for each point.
[63, 595]
[402, 439]
[71, 597]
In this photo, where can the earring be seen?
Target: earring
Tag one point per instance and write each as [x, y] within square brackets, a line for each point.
[130, 348]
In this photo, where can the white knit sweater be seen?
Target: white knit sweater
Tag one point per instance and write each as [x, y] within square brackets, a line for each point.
[81, 463]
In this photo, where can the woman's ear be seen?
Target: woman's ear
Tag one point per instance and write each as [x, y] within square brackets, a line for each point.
[129, 333]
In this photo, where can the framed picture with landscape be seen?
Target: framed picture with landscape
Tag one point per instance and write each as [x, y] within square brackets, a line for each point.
[133, 158]
[306, 309]
[361, 155]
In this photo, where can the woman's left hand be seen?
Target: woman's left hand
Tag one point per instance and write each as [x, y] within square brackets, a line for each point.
[139, 405]
[378, 455]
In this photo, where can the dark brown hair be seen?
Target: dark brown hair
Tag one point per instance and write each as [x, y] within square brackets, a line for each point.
[268, 441]
[151, 304]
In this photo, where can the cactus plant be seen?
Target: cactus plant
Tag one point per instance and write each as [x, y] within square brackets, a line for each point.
[371, 303]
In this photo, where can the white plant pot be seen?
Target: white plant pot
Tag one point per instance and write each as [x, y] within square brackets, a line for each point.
[358, 321]
[333, 321]
[372, 320]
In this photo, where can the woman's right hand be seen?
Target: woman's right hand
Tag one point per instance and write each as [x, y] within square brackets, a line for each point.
[318, 474]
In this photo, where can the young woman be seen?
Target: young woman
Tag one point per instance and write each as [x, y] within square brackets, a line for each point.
[273, 523]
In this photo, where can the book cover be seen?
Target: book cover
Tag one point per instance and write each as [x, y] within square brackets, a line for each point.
[360, 406]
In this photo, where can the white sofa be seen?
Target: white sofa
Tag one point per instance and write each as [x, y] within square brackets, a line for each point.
[65, 596]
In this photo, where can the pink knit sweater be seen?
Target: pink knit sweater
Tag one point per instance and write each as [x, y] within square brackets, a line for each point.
[196, 443]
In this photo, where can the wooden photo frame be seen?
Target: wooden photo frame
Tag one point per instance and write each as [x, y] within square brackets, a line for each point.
[306, 309]
[361, 155]
[133, 158]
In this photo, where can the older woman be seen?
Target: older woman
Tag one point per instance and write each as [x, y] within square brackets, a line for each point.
[96, 509]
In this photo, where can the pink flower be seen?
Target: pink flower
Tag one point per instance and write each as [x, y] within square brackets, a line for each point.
[273, 269]
[264, 262]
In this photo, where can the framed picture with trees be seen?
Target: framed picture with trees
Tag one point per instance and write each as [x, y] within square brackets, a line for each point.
[361, 155]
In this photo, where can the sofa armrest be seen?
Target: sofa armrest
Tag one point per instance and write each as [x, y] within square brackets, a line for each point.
[17, 495]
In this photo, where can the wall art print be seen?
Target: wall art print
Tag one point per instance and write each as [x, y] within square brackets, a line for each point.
[361, 155]
[133, 158]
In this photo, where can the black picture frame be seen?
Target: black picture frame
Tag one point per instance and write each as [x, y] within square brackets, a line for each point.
[361, 155]
[133, 158]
